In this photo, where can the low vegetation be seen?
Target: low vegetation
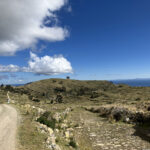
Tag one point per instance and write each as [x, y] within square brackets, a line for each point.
[72, 143]
[72, 114]
[47, 119]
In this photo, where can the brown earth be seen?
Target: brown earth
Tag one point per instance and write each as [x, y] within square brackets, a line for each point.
[8, 126]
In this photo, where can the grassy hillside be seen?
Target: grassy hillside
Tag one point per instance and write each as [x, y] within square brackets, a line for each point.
[50, 88]
[74, 90]
[83, 115]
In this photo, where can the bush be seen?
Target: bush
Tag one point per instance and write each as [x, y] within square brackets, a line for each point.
[59, 99]
[9, 88]
[72, 143]
[60, 89]
[35, 99]
[94, 95]
[47, 120]
[30, 97]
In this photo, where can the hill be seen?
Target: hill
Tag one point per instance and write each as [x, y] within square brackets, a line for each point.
[50, 88]
[74, 90]
[64, 114]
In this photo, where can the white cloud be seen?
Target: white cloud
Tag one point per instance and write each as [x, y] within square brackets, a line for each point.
[20, 80]
[22, 24]
[10, 68]
[49, 65]
[46, 65]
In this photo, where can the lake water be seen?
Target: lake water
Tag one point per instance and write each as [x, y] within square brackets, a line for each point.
[133, 82]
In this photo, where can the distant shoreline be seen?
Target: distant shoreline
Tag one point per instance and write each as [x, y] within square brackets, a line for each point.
[134, 82]
[130, 82]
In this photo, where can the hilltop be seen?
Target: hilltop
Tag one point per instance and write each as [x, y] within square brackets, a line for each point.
[50, 88]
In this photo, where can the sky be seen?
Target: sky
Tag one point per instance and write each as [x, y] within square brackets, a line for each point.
[83, 39]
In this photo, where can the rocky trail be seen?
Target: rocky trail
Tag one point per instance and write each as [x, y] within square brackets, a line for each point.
[8, 126]
[103, 135]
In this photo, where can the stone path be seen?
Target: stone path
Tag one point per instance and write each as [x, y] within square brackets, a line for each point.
[108, 136]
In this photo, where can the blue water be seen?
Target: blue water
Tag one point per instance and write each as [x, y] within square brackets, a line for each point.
[134, 82]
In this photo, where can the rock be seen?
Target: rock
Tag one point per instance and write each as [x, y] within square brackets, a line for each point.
[43, 127]
[51, 140]
[50, 131]
[119, 113]
[70, 129]
[54, 147]
[27, 106]
[127, 119]
[33, 107]
[67, 134]
[40, 111]
[65, 121]
[67, 110]
[57, 117]
[64, 126]
[42, 131]
[56, 130]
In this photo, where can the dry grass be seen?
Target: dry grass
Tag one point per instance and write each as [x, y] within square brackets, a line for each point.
[78, 96]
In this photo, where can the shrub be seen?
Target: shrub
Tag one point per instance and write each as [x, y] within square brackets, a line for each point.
[59, 99]
[9, 88]
[30, 97]
[60, 89]
[137, 99]
[35, 99]
[43, 94]
[47, 120]
[94, 95]
[72, 143]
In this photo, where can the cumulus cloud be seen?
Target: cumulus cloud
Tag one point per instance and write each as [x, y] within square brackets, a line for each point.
[22, 24]
[45, 65]
[10, 68]
[48, 65]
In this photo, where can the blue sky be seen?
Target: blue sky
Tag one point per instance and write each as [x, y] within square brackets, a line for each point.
[107, 39]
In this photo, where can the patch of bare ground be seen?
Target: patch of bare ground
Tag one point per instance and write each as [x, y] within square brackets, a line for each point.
[8, 127]
[100, 134]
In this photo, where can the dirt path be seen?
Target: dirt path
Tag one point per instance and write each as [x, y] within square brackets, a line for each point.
[8, 126]
[107, 136]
